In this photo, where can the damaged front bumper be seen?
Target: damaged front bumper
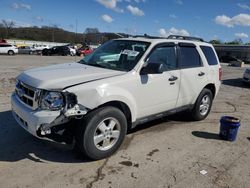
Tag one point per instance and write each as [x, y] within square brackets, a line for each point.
[40, 122]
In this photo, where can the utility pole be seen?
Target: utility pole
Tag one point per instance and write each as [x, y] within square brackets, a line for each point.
[76, 31]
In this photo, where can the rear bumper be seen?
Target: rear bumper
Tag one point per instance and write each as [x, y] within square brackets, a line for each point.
[31, 120]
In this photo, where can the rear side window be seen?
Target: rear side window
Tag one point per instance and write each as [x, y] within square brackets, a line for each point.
[189, 57]
[210, 55]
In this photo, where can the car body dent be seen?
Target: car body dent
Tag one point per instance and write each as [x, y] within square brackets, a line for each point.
[34, 118]
[92, 95]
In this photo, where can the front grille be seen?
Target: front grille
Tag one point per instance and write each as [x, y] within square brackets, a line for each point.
[27, 95]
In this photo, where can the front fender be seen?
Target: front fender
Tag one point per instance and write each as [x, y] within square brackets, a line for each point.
[92, 98]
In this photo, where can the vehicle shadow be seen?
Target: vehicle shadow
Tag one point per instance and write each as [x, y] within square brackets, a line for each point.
[236, 82]
[206, 135]
[16, 144]
[180, 117]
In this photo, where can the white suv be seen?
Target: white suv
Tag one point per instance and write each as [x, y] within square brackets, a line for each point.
[123, 83]
[8, 49]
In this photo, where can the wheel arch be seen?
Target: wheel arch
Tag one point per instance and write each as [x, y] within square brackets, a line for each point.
[121, 106]
[212, 88]
[10, 51]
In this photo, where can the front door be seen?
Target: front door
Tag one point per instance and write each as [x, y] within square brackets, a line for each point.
[159, 92]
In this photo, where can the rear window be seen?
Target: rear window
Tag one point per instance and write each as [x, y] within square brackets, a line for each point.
[210, 55]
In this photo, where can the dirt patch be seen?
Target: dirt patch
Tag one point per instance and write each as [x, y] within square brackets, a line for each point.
[126, 163]
[150, 154]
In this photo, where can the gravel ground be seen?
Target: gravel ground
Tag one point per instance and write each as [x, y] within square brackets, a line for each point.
[169, 152]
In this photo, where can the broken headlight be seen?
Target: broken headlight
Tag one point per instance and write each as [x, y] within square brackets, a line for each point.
[52, 100]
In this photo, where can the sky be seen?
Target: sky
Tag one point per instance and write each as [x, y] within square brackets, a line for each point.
[215, 19]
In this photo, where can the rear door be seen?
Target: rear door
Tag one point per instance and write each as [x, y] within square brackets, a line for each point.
[193, 74]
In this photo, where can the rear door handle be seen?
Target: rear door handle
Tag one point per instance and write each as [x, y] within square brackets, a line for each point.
[172, 78]
[201, 74]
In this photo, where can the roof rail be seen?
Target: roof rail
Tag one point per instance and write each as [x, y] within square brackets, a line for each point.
[185, 38]
[147, 36]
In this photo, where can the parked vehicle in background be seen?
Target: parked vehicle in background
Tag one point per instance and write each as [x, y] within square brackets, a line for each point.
[84, 51]
[122, 84]
[246, 76]
[72, 50]
[3, 41]
[8, 49]
[57, 50]
[26, 50]
[40, 47]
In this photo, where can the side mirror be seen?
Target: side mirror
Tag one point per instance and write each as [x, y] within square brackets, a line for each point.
[152, 68]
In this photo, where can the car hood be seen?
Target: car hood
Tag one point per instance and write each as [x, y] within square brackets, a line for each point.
[57, 77]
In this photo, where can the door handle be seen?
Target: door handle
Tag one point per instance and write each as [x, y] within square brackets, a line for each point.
[201, 74]
[172, 78]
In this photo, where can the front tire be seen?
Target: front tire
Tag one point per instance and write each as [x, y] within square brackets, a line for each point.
[101, 132]
[11, 52]
[202, 105]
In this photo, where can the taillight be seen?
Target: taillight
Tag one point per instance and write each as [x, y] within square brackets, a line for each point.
[220, 74]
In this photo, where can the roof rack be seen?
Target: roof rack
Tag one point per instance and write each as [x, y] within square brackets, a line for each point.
[180, 37]
[147, 36]
[185, 38]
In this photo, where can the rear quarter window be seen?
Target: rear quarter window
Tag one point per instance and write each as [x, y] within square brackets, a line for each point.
[210, 55]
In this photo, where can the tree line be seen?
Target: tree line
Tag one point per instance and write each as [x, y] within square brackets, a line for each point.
[56, 34]
[234, 42]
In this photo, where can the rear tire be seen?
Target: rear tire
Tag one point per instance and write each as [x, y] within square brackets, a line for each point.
[11, 52]
[202, 105]
[101, 132]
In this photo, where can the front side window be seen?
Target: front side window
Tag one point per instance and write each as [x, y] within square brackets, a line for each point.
[189, 57]
[164, 55]
[120, 55]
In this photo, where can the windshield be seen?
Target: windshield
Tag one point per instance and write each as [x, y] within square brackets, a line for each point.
[120, 55]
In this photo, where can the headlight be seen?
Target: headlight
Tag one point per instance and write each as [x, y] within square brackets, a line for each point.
[52, 101]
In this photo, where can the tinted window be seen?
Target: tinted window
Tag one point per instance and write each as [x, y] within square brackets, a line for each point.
[165, 55]
[5, 45]
[189, 57]
[210, 55]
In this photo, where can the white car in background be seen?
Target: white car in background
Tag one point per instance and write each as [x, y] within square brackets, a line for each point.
[40, 47]
[8, 49]
[246, 76]
[72, 50]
